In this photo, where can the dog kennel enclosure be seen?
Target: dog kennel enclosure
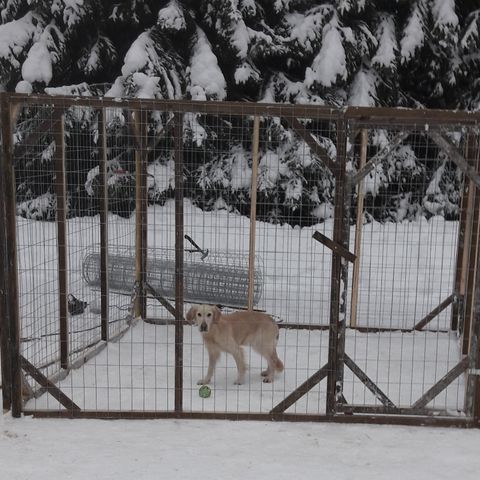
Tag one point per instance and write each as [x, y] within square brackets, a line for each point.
[379, 319]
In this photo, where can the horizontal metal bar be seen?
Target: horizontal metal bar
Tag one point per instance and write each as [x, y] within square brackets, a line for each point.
[382, 410]
[365, 116]
[360, 115]
[206, 107]
[288, 417]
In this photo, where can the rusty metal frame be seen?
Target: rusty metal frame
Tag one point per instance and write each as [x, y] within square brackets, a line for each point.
[351, 119]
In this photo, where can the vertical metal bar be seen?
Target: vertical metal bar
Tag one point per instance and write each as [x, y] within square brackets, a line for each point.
[358, 231]
[336, 339]
[473, 155]
[4, 277]
[140, 125]
[13, 318]
[144, 209]
[253, 212]
[472, 394]
[60, 190]
[178, 145]
[102, 159]
[464, 231]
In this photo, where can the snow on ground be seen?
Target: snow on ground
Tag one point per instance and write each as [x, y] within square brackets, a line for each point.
[171, 449]
[406, 270]
[137, 373]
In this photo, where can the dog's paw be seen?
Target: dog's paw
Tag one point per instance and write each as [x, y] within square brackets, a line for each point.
[264, 373]
[268, 380]
[238, 382]
[203, 381]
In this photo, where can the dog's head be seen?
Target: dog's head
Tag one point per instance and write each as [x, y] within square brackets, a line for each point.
[203, 316]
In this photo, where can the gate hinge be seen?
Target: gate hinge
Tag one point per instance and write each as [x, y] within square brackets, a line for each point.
[474, 371]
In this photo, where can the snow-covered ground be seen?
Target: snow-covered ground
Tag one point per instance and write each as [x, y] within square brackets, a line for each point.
[137, 373]
[169, 449]
[406, 270]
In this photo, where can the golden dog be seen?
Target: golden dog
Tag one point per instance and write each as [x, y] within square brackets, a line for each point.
[227, 333]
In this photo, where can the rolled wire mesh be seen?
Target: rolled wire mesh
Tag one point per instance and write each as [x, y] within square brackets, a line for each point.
[219, 278]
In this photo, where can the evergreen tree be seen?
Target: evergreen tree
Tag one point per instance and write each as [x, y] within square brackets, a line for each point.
[413, 53]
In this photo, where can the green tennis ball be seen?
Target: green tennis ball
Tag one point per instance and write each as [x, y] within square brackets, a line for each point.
[204, 391]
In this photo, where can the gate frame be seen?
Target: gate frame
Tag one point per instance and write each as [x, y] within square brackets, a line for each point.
[349, 119]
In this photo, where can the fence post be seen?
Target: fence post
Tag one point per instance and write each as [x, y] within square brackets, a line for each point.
[253, 212]
[178, 155]
[472, 239]
[140, 124]
[60, 190]
[4, 280]
[338, 296]
[102, 160]
[11, 328]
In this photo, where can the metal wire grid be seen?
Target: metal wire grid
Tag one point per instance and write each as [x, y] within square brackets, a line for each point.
[136, 373]
[406, 269]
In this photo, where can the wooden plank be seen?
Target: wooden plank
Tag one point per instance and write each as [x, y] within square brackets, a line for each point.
[253, 213]
[310, 140]
[179, 247]
[102, 159]
[358, 231]
[442, 384]
[436, 311]
[370, 384]
[336, 248]
[48, 385]
[455, 156]
[378, 158]
[61, 218]
[300, 391]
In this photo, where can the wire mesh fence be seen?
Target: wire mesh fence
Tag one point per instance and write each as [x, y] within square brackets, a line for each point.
[355, 232]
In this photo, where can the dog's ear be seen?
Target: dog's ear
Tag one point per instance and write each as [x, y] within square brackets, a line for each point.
[216, 314]
[190, 316]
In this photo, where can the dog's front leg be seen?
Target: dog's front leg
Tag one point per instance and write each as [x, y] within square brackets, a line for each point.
[213, 355]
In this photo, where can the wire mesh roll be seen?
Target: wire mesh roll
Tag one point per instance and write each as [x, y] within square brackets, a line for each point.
[220, 278]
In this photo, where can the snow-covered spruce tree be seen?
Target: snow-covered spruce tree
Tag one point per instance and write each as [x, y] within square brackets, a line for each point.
[415, 53]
